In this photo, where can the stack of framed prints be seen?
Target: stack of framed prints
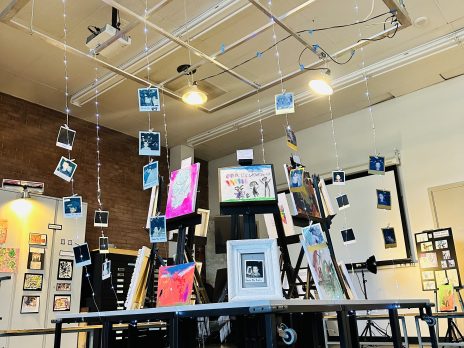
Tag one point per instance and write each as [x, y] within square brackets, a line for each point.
[437, 259]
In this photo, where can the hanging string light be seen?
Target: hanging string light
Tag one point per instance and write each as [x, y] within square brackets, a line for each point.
[165, 130]
[261, 129]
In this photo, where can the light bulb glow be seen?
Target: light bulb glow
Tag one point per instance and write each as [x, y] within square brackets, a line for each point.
[194, 96]
[320, 86]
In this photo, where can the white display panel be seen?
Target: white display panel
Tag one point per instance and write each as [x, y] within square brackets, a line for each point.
[33, 215]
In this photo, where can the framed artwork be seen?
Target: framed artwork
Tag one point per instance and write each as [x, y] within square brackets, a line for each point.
[9, 260]
[321, 264]
[30, 304]
[247, 184]
[157, 229]
[61, 303]
[202, 229]
[65, 269]
[3, 230]
[36, 259]
[253, 271]
[33, 282]
[38, 239]
[446, 298]
[182, 195]
[175, 284]
[63, 286]
[285, 216]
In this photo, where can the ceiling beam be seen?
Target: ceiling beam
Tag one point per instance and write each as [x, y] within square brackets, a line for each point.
[180, 42]
[401, 12]
[12, 9]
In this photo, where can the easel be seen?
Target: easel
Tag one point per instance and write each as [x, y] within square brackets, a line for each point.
[2, 279]
[453, 334]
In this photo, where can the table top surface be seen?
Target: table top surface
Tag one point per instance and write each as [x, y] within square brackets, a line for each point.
[255, 306]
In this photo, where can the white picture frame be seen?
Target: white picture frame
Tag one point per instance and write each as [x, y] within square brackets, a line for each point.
[264, 284]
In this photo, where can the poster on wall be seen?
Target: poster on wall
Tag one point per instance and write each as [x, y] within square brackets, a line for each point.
[247, 184]
[437, 259]
[9, 260]
[182, 195]
[3, 230]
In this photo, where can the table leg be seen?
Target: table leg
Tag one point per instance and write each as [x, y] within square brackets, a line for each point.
[173, 332]
[395, 328]
[433, 334]
[353, 326]
[132, 334]
[419, 333]
[106, 331]
[58, 326]
[344, 329]
[271, 330]
[405, 332]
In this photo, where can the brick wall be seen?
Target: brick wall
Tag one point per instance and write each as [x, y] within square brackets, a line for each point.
[28, 151]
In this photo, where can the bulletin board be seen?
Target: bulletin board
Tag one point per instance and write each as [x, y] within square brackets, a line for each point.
[437, 259]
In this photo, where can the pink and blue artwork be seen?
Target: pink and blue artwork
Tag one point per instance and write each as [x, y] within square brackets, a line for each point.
[182, 193]
[175, 284]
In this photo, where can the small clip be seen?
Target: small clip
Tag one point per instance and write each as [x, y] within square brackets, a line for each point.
[223, 48]
[259, 54]
[302, 67]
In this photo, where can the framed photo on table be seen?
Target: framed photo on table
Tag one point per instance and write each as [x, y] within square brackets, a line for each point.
[253, 271]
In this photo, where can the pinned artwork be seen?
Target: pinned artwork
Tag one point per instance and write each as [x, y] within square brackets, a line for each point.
[100, 218]
[150, 175]
[247, 184]
[3, 230]
[284, 103]
[82, 255]
[103, 245]
[36, 259]
[72, 207]
[32, 282]
[65, 169]
[30, 304]
[376, 165]
[149, 99]
[65, 138]
[38, 239]
[296, 180]
[446, 298]
[158, 232]
[106, 269]
[182, 193]
[389, 237]
[428, 260]
[383, 199]
[149, 143]
[65, 269]
[338, 177]
[291, 139]
[9, 260]
[342, 202]
[61, 303]
[175, 284]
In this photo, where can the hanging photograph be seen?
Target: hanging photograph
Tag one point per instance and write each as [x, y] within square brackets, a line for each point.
[305, 202]
[3, 231]
[149, 99]
[63, 286]
[338, 177]
[30, 304]
[376, 165]
[383, 199]
[150, 175]
[9, 260]
[103, 245]
[348, 236]
[182, 194]
[342, 202]
[65, 169]
[38, 239]
[291, 138]
[389, 237]
[100, 218]
[72, 207]
[149, 143]
[158, 232]
[36, 259]
[106, 269]
[65, 269]
[33, 282]
[82, 255]
[153, 205]
[284, 103]
[61, 303]
[314, 237]
[296, 180]
[65, 137]
[253, 270]
[175, 284]
[247, 184]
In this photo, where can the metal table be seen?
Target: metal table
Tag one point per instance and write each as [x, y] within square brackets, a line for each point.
[309, 310]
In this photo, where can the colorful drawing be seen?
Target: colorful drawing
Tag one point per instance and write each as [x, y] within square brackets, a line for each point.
[9, 260]
[3, 230]
[61, 303]
[175, 284]
[428, 260]
[285, 215]
[38, 239]
[314, 237]
[33, 282]
[247, 184]
[182, 193]
[323, 270]
[446, 298]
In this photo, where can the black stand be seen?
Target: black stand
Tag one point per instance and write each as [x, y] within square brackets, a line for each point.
[453, 334]
[370, 324]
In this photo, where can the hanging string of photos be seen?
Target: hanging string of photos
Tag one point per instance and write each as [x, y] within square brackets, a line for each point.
[261, 129]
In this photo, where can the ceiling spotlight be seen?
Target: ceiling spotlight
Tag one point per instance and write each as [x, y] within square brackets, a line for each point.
[194, 96]
[321, 85]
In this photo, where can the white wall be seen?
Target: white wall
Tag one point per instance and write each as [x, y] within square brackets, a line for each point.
[425, 126]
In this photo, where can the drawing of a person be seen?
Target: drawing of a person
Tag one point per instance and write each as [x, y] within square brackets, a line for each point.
[254, 187]
[267, 190]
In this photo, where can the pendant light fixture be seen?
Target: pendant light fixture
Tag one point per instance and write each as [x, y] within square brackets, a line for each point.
[194, 96]
[321, 85]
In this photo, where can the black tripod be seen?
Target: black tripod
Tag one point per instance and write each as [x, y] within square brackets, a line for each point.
[453, 334]
[371, 326]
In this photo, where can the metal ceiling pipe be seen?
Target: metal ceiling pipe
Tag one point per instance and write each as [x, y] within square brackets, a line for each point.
[180, 42]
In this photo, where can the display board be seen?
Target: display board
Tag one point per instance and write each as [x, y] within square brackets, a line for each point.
[437, 259]
[367, 220]
[36, 301]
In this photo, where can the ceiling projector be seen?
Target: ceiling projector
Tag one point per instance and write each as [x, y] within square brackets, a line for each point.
[101, 35]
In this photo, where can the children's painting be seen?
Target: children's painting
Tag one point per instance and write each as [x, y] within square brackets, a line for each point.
[247, 184]
[3, 230]
[182, 193]
[446, 298]
[9, 260]
[175, 284]
[287, 221]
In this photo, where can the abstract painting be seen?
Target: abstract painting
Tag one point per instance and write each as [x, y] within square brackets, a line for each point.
[446, 298]
[182, 193]
[9, 260]
[30, 304]
[285, 216]
[3, 230]
[175, 284]
[61, 303]
[33, 282]
[247, 184]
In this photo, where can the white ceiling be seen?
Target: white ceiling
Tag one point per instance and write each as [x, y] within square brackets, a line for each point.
[32, 69]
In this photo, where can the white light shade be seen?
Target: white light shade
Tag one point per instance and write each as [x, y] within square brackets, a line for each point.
[321, 86]
[194, 96]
